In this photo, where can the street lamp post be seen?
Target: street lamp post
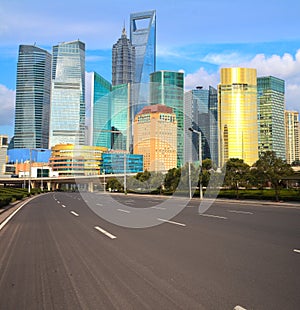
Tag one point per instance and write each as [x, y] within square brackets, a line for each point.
[29, 177]
[200, 159]
[125, 185]
[104, 184]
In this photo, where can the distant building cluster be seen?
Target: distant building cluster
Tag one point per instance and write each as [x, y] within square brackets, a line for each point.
[142, 119]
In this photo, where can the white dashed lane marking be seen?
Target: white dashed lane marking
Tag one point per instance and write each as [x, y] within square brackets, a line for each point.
[296, 251]
[214, 216]
[125, 211]
[106, 233]
[74, 213]
[241, 212]
[171, 222]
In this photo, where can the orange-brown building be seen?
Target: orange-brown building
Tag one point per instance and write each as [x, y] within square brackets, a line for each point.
[155, 137]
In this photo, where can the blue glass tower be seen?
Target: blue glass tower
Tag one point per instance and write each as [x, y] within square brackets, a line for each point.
[143, 38]
[271, 105]
[32, 97]
[67, 116]
[201, 113]
[101, 111]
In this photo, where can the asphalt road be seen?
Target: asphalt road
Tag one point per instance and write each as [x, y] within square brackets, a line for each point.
[56, 253]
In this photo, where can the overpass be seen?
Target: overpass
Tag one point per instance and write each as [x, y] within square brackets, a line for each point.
[54, 183]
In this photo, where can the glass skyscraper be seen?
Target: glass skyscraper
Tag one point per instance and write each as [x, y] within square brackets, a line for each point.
[292, 136]
[167, 88]
[32, 97]
[143, 38]
[67, 117]
[237, 112]
[201, 114]
[101, 111]
[123, 61]
[270, 103]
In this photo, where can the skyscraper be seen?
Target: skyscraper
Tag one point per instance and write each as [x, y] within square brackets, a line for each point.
[167, 88]
[143, 38]
[101, 111]
[292, 136]
[155, 137]
[270, 104]
[201, 113]
[67, 117]
[237, 111]
[123, 61]
[32, 97]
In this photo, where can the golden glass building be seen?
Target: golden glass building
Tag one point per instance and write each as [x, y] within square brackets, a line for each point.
[70, 159]
[292, 136]
[237, 109]
[155, 137]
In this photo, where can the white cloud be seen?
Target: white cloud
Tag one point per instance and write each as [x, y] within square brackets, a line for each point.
[201, 78]
[286, 67]
[7, 104]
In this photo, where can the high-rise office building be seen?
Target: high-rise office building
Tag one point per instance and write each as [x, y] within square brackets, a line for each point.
[292, 136]
[270, 105]
[67, 116]
[155, 137]
[167, 88]
[201, 114]
[143, 38]
[123, 61]
[101, 111]
[32, 97]
[120, 118]
[237, 112]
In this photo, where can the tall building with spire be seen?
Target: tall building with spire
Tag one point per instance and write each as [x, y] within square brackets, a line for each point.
[32, 97]
[123, 61]
[237, 111]
[143, 38]
[67, 116]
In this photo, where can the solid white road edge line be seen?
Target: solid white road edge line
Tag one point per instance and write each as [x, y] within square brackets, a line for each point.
[125, 211]
[215, 216]
[242, 212]
[74, 213]
[13, 214]
[171, 222]
[106, 233]
[296, 251]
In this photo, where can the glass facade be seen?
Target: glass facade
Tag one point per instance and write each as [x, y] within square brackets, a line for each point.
[201, 114]
[292, 136]
[237, 111]
[143, 38]
[67, 116]
[167, 88]
[114, 163]
[270, 102]
[32, 97]
[101, 107]
[123, 61]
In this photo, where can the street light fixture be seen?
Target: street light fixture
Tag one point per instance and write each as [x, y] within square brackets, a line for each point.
[200, 159]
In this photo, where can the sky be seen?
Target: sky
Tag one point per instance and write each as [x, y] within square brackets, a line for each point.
[196, 36]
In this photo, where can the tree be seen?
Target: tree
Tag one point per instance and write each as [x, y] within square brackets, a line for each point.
[172, 179]
[271, 169]
[237, 174]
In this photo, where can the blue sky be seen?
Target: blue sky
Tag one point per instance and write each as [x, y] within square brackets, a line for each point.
[197, 36]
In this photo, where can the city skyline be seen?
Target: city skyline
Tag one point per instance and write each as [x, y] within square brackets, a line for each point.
[204, 42]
